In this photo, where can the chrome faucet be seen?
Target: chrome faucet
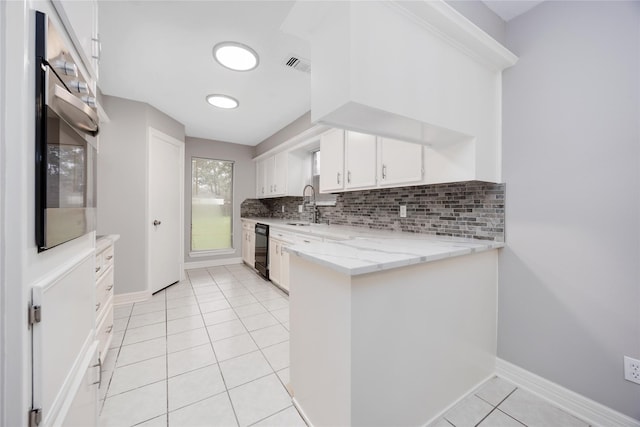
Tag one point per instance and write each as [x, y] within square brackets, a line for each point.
[315, 208]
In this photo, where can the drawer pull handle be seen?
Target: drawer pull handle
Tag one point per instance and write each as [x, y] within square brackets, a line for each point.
[97, 306]
[109, 329]
[109, 288]
[98, 269]
[110, 257]
[99, 366]
[307, 241]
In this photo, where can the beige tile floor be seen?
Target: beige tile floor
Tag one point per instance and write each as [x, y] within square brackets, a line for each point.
[213, 350]
[498, 403]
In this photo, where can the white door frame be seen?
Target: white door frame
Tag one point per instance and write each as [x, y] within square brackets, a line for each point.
[152, 132]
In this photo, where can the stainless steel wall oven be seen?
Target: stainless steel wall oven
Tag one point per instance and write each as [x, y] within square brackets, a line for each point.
[66, 124]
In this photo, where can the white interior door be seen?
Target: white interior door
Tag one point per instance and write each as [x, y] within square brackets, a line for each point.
[165, 219]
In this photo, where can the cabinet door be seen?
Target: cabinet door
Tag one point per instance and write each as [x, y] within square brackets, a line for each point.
[270, 173]
[332, 167]
[245, 246]
[284, 267]
[280, 174]
[360, 160]
[81, 19]
[261, 179]
[274, 260]
[251, 251]
[400, 162]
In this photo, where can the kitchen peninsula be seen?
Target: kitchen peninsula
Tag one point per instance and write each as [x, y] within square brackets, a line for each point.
[389, 328]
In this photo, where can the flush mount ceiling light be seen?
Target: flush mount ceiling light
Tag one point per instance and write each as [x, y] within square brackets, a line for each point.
[222, 101]
[235, 56]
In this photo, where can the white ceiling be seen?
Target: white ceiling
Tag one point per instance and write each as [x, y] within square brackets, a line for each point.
[160, 52]
[509, 9]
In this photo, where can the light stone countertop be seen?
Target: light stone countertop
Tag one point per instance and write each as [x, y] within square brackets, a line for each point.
[103, 241]
[358, 250]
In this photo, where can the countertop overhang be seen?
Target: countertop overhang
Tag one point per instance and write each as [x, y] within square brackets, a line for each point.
[358, 250]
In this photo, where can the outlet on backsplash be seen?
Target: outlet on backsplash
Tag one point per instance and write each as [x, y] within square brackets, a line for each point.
[403, 211]
[282, 208]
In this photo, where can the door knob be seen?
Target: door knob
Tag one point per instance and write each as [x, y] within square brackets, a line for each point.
[156, 222]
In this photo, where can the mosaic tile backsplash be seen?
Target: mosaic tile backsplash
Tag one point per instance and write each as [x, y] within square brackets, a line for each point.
[469, 209]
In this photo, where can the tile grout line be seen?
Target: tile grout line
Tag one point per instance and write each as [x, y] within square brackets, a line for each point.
[226, 389]
[495, 408]
[274, 372]
[166, 356]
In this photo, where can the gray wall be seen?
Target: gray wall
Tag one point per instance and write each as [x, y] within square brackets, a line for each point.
[569, 293]
[122, 178]
[478, 12]
[244, 186]
[294, 128]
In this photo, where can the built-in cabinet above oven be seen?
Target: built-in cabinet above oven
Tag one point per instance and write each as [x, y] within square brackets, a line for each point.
[80, 19]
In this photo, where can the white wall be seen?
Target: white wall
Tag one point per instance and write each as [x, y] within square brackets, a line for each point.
[122, 177]
[244, 187]
[569, 299]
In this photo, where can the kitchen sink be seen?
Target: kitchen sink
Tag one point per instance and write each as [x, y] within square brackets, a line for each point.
[299, 224]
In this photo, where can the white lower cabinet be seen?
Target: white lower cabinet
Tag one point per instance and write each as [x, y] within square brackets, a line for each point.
[105, 266]
[279, 257]
[275, 261]
[83, 410]
[249, 243]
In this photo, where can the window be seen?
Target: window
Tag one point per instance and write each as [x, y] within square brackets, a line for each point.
[211, 204]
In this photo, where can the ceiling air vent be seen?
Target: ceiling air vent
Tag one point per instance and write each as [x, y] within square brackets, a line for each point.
[297, 63]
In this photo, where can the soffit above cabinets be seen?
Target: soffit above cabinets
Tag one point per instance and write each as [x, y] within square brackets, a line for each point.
[413, 71]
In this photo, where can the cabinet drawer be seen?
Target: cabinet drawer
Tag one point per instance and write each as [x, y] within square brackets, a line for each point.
[107, 258]
[104, 332]
[250, 226]
[99, 265]
[104, 291]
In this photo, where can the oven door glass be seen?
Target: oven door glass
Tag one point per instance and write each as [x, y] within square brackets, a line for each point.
[70, 209]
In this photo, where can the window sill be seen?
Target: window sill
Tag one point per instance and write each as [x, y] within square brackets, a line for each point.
[202, 254]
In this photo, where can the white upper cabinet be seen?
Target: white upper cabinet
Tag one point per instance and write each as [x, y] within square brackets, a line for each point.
[280, 165]
[81, 21]
[357, 161]
[448, 99]
[332, 168]
[400, 162]
[261, 179]
[360, 160]
[280, 175]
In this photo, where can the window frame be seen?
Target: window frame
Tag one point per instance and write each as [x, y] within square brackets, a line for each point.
[212, 252]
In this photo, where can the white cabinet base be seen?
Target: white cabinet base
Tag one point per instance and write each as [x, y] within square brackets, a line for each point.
[430, 327]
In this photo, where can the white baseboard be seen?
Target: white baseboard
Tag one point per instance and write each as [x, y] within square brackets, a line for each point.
[301, 412]
[211, 263]
[131, 297]
[460, 399]
[582, 407]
